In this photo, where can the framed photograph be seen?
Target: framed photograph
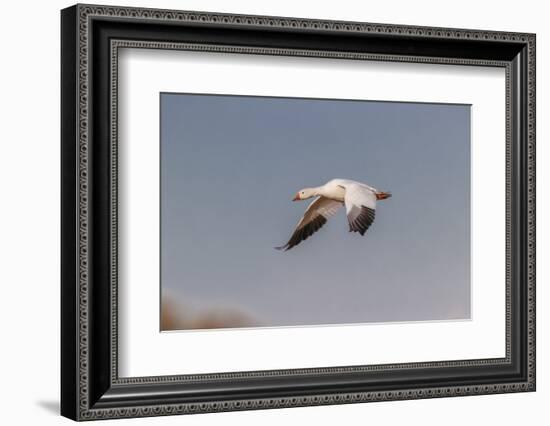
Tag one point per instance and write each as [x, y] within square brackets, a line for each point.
[263, 212]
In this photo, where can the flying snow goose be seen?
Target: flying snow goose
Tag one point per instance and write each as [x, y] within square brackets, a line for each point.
[359, 198]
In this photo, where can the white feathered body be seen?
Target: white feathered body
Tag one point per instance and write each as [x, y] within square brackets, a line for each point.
[335, 189]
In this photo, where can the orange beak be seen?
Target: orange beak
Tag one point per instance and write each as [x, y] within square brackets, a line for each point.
[296, 197]
[382, 195]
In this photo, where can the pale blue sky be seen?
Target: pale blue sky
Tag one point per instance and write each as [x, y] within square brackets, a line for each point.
[230, 166]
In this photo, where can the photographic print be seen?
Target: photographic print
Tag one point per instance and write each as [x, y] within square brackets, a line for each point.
[283, 211]
[346, 208]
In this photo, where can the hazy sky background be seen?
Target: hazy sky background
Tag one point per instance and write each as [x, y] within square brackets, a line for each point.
[230, 166]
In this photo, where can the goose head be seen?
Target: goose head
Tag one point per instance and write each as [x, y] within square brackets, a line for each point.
[304, 194]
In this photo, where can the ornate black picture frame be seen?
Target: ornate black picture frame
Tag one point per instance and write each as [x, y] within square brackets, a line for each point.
[90, 385]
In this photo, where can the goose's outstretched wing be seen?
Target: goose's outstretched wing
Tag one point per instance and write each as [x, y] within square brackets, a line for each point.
[315, 216]
[360, 203]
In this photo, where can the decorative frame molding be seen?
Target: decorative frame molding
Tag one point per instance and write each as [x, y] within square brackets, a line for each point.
[91, 388]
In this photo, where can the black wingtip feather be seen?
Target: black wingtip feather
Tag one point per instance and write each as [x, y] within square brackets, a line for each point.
[304, 233]
[362, 221]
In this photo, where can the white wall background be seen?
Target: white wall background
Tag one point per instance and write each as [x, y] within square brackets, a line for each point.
[29, 213]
